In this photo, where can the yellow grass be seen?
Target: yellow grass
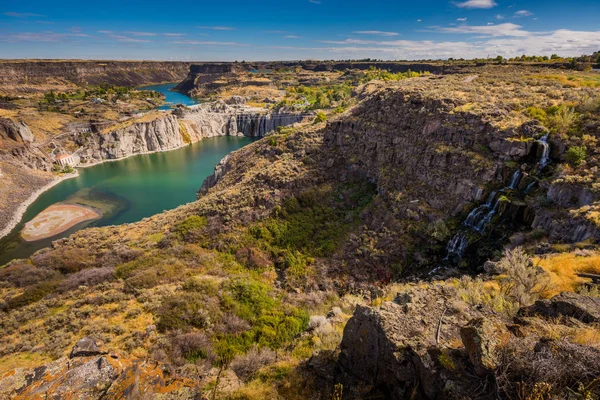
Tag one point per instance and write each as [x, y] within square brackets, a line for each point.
[563, 269]
[148, 117]
[22, 360]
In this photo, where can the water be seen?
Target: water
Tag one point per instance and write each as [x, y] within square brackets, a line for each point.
[516, 178]
[545, 158]
[128, 190]
[172, 98]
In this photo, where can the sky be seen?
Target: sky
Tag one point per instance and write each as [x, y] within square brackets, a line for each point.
[263, 30]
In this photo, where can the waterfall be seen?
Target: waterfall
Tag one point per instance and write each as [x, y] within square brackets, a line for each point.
[529, 187]
[545, 159]
[457, 245]
[516, 178]
[257, 125]
[482, 215]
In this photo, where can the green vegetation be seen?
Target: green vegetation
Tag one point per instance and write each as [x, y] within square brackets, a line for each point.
[575, 155]
[321, 117]
[190, 225]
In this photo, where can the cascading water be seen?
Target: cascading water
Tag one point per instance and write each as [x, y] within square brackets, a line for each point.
[516, 178]
[530, 187]
[545, 158]
[482, 215]
[457, 245]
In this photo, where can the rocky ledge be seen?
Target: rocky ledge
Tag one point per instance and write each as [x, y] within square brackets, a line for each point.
[428, 344]
[92, 372]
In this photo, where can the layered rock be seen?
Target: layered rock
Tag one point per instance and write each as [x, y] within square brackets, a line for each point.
[160, 134]
[31, 73]
[222, 119]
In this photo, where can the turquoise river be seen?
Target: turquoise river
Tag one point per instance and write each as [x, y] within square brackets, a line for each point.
[128, 190]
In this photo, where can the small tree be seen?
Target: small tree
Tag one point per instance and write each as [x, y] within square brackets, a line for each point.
[522, 281]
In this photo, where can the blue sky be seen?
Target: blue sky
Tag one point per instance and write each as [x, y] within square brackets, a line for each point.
[296, 29]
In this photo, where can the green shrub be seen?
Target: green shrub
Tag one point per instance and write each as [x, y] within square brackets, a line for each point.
[562, 119]
[537, 113]
[321, 117]
[182, 311]
[575, 155]
[32, 294]
[196, 284]
[191, 224]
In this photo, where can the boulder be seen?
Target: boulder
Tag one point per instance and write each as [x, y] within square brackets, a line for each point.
[396, 349]
[583, 308]
[87, 347]
[482, 337]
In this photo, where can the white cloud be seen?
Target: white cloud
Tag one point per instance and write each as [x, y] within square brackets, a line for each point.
[217, 28]
[378, 33]
[315, 1]
[523, 13]
[206, 43]
[136, 33]
[506, 29]
[22, 15]
[172, 34]
[499, 16]
[461, 19]
[291, 37]
[563, 42]
[40, 37]
[477, 4]
[419, 20]
[127, 39]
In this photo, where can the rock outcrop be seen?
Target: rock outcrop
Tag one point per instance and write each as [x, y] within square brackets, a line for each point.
[92, 374]
[396, 348]
[566, 305]
[15, 130]
[410, 350]
[160, 134]
[222, 119]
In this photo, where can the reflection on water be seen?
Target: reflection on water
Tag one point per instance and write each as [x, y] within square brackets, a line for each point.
[128, 190]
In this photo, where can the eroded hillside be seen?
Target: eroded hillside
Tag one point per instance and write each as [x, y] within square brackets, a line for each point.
[247, 290]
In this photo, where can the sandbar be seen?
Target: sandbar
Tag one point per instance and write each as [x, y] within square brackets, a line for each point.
[56, 219]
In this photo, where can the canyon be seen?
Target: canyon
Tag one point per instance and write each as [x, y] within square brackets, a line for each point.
[318, 261]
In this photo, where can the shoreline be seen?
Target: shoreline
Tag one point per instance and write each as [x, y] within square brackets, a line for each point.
[66, 221]
[22, 209]
[17, 216]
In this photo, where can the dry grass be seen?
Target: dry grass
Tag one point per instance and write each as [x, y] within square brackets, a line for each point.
[582, 80]
[148, 117]
[22, 360]
[563, 269]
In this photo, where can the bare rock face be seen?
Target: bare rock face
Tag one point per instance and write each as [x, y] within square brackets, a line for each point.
[482, 339]
[232, 118]
[412, 349]
[160, 134]
[90, 374]
[567, 305]
[15, 130]
[396, 348]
